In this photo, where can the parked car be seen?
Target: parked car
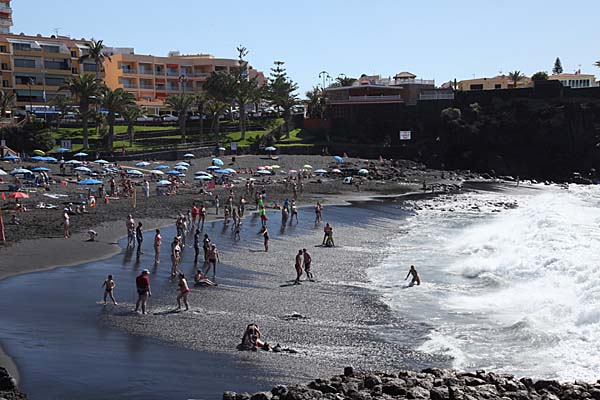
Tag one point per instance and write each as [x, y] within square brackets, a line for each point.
[119, 118]
[169, 118]
[145, 118]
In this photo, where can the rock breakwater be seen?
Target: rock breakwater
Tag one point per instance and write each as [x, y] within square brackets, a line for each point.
[432, 383]
[8, 387]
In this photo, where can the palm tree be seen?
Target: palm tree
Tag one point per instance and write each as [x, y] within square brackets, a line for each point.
[131, 114]
[7, 102]
[85, 89]
[344, 80]
[516, 76]
[115, 101]
[63, 105]
[95, 53]
[215, 109]
[182, 104]
[201, 100]
[316, 104]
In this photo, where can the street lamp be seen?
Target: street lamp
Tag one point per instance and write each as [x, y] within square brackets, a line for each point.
[44, 71]
[182, 79]
[324, 75]
[30, 81]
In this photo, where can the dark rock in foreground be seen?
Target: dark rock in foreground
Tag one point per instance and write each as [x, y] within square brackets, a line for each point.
[432, 383]
[8, 387]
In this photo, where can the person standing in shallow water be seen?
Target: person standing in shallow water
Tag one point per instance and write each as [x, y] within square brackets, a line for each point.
[157, 240]
[142, 284]
[139, 236]
[415, 276]
[196, 245]
[109, 286]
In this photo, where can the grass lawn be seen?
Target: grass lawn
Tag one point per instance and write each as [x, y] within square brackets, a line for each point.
[237, 137]
[77, 133]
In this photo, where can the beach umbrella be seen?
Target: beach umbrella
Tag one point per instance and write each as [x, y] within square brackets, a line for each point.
[62, 150]
[181, 175]
[336, 171]
[181, 168]
[292, 171]
[188, 155]
[338, 159]
[110, 169]
[320, 171]
[19, 171]
[275, 166]
[10, 157]
[270, 148]
[201, 173]
[73, 162]
[222, 149]
[203, 177]
[263, 172]
[163, 182]
[221, 171]
[50, 159]
[231, 170]
[260, 168]
[38, 158]
[39, 152]
[80, 154]
[173, 172]
[142, 164]
[18, 195]
[101, 162]
[89, 182]
[212, 167]
[183, 163]
[83, 169]
[133, 172]
[2, 172]
[363, 171]
[307, 166]
[40, 169]
[157, 172]
[218, 161]
[161, 167]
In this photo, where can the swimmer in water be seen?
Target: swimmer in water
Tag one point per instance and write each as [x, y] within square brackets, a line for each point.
[415, 276]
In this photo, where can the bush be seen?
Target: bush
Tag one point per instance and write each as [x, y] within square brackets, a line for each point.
[27, 138]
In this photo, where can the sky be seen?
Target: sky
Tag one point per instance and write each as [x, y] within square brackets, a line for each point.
[434, 39]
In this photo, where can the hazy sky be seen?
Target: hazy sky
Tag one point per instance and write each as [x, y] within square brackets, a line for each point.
[439, 40]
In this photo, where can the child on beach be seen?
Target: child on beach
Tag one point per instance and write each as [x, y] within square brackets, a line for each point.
[109, 285]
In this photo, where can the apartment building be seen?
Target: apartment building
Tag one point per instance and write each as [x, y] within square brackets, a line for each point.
[6, 21]
[151, 79]
[35, 67]
[576, 80]
[494, 83]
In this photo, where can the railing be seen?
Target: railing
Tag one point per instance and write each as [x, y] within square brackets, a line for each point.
[129, 86]
[128, 71]
[172, 73]
[202, 74]
[146, 86]
[146, 72]
[372, 98]
[414, 82]
[436, 96]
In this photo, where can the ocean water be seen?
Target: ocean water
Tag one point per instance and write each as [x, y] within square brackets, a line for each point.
[505, 288]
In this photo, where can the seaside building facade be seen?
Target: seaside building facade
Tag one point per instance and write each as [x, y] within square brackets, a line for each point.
[576, 80]
[494, 83]
[151, 79]
[6, 21]
[35, 67]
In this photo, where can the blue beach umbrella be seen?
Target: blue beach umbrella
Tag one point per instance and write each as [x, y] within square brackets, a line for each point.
[89, 181]
[50, 159]
[270, 148]
[218, 161]
[135, 172]
[338, 159]
[101, 162]
[73, 162]
[221, 171]
[162, 167]
[201, 173]
[173, 172]
[231, 170]
[181, 168]
[222, 149]
[40, 169]
[10, 157]
[363, 171]
[142, 164]
[19, 171]
[264, 172]
[212, 168]
[183, 163]
[80, 154]
[320, 171]
[163, 182]
[188, 155]
[37, 158]
[62, 150]
[83, 169]
[203, 177]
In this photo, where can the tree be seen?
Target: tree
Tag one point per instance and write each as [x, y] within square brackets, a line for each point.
[215, 109]
[130, 115]
[345, 80]
[95, 53]
[201, 100]
[558, 69]
[182, 104]
[539, 76]
[516, 77]
[115, 101]
[220, 92]
[7, 102]
[85, 89]
[246, 89]
[280, 93]
[316, 103]
[62, 105]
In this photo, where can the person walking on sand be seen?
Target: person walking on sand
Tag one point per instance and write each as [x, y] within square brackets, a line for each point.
[139, 236]
[130, 225]
[294, 209]
[327, 235]
[237, 229]
[175, 255]
[298, 267]
[195, 213]
[109, 286]
[202, 216]
[66, 224]
[183, 291]
[415, 276]
[196, 245]
[213, 258]
[206, 246]
[142, 284]
[263, 215]
[157, 241]
[307, 264]
[265, 233]
[217, 202]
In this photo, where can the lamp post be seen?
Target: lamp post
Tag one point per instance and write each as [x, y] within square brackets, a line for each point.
[182, 80]
[324, 75]
[44, 71]
[30, 81]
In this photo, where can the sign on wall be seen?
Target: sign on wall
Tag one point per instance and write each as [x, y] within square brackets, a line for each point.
[66, 144]
[2, 142]
[233, 146]
[404, 135]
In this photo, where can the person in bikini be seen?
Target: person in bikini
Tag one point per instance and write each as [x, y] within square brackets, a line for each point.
[109, 286]
[157, 240]
[183, 291]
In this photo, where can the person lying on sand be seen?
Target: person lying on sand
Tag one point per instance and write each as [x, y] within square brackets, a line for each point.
[201, 279]
[252, 339]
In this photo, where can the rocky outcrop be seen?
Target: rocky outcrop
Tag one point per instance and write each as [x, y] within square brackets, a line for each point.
[8, 387]
[432, 383]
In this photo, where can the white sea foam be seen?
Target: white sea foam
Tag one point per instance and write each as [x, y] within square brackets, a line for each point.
[515, 291]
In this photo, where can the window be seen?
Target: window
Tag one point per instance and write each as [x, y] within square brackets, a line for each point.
[5, 66]
[22, 63]
[74, 54]
[2, 49]
[55, 81]
[51, 49]
[56, 64]
[5, 84]
[26, 80]
[498, 86]
[90, 67]
[21, 46]
[477, 87]
[74, 70]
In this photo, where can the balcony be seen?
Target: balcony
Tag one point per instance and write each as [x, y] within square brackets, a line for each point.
[367, 99]
[436, 96]
[128, 70]
[144, 71]
[146, 86]
[414, 82]
[202, 74]
[172, 73]
[129, 85]
[6, 22]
